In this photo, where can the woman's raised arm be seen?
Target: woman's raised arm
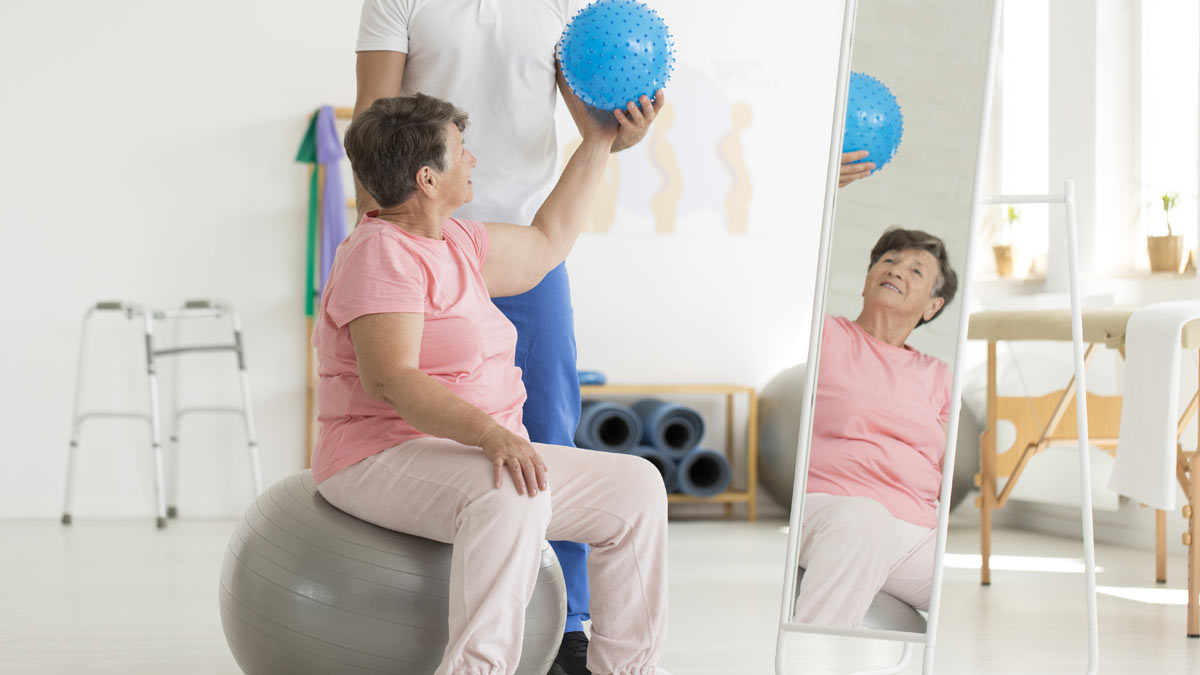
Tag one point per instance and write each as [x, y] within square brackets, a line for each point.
[521, 256]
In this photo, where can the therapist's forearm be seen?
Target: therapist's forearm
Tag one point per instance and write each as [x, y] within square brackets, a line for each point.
[431, 408]
[379, 74]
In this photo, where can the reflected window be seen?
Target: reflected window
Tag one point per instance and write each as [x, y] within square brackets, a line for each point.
[1021, 130]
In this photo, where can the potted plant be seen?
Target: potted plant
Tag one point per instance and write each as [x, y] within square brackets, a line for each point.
[1166, 252]
[1003, 248]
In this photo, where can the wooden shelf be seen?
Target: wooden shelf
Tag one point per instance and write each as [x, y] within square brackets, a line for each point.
[746, 496]
[639, 389]
[727, 497]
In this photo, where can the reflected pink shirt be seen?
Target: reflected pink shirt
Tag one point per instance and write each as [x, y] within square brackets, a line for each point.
[877, 422]
[467, 345]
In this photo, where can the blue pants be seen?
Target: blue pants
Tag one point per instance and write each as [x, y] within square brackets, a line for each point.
[546, 356]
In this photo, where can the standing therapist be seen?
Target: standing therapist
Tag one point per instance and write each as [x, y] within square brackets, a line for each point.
[495, 58]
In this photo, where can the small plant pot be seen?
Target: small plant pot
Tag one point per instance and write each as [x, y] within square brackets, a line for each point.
[1004, 260]
[1166, 253]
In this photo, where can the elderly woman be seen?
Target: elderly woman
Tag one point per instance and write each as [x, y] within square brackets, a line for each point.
[420, 401]
[879, 431]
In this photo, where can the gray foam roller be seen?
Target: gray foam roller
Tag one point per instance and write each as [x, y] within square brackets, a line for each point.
[670, 427]
[308, 590]
[703, 473]
[607, 426]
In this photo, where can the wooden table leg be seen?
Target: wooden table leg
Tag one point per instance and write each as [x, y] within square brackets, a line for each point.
[752, 456]
[729, 442]
[1192, 539]
[987, 468]
[1160, 546]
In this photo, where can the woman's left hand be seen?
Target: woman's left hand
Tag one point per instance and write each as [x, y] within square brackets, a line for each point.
[853, 168]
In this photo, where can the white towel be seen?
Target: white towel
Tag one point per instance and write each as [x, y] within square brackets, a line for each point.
[1145, 465]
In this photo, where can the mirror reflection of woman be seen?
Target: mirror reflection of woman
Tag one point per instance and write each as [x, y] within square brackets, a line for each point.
[879, 433]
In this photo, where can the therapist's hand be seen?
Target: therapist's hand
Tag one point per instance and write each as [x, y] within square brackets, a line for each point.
[850, 171]
[509, 451]
[635, 120]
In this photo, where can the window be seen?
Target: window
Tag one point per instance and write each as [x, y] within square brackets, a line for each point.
[1170, 100]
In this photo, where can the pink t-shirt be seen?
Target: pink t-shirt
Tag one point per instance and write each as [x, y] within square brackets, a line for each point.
[467, 345]
[877, 422]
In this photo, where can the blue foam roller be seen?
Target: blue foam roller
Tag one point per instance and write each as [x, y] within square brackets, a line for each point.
[703, 473]
[591, 377]
[606, 426]
[873, 120]
[661, 461]
[615, 51]
[670, 427]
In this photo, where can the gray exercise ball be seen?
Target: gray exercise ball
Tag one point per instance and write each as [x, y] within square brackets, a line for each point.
[779, 429]
[779, 406]
[309, 590]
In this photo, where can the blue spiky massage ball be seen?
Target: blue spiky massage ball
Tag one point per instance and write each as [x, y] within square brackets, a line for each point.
[614, 51]
[873, 120]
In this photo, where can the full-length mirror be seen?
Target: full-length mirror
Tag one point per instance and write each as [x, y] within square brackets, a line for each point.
[868, 543]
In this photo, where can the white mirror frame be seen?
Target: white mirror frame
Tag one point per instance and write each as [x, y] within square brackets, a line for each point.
[787, 610]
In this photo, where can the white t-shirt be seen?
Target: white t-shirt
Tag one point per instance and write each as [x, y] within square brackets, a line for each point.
[495, 60]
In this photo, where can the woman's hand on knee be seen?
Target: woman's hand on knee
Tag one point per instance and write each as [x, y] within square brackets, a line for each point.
[509, 451]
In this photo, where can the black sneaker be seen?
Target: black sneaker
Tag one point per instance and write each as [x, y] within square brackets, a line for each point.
[572, 655]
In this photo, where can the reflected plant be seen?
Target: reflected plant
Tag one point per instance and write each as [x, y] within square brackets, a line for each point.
[998, 224]
[1011, 218]
[1169, 200]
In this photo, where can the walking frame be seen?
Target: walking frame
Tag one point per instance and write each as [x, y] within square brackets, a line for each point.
[165, 501]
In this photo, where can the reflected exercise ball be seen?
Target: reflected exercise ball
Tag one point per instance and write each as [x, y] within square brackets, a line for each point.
[614, 51]
[779, 406]
[873, 120]
[307, 589]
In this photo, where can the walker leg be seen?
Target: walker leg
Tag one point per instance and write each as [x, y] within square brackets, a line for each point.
[248, 408]
[155, 429]
[76, 423]
[172, 470]
[172, 455]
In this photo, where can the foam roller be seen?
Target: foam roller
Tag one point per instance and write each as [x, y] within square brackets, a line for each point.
[606, 426]
[703, 473]
[670, 427]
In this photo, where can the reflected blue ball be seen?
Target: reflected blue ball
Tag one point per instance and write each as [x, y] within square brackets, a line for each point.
[614, 51]
[873, 120]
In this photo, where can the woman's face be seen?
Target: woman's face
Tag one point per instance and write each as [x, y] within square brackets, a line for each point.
[902, 282]
[456, 179]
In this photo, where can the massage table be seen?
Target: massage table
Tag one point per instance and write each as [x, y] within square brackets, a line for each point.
[1101, 327]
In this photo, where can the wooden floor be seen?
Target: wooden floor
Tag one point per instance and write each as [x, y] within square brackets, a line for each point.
[107, 596]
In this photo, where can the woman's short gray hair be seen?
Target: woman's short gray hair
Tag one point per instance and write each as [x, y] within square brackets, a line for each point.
[389, 142]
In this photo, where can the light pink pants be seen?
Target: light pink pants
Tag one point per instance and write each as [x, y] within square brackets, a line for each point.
[851, 548]
[443, 490]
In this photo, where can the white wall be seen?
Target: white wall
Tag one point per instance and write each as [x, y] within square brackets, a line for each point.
[1093, 124]
[149, 152]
